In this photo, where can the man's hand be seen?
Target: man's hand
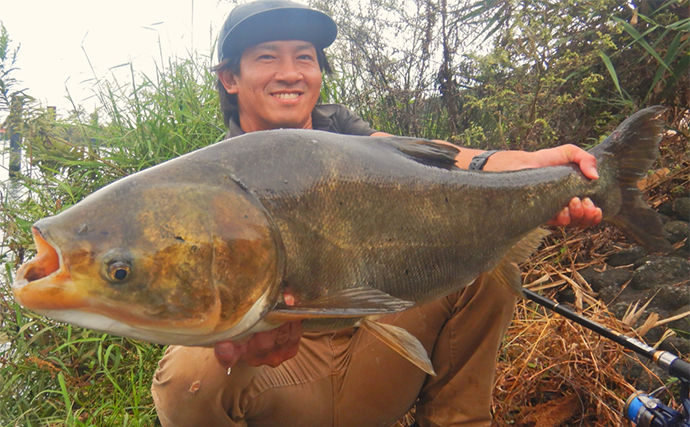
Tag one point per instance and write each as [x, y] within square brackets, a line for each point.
[579, 213]
[264, 348]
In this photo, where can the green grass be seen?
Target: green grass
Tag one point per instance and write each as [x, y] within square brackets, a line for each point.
[52, 374]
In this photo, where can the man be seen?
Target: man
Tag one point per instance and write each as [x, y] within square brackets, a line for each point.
[269, 76]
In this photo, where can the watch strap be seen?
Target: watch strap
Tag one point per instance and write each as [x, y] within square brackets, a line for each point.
[479, 160]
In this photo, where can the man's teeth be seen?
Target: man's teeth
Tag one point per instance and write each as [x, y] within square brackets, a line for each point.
[286, 95]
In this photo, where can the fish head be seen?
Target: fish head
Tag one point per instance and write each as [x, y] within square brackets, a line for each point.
[166, 262]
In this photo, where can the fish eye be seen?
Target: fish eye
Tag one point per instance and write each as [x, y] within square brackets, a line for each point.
[117, 266]
[119, 271]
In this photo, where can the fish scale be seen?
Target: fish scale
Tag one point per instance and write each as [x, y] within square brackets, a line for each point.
[201, 248]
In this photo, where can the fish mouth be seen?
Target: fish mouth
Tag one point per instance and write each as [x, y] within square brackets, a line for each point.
[44, 282]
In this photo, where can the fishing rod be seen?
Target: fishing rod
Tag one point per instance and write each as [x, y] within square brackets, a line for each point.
[642, 409]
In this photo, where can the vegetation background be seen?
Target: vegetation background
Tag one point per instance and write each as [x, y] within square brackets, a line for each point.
[500, 74]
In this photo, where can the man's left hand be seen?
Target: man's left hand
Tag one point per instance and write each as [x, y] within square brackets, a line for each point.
[579, 213]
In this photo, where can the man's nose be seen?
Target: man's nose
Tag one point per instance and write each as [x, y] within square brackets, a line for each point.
[289, 73]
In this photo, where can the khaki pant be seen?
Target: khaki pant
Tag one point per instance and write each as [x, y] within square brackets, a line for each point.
[349, 378]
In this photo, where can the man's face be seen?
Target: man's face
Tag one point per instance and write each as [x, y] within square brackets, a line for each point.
[278, 85]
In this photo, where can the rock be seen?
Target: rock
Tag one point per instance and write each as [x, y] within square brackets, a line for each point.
[670, 297]
[615, 277]
[666, 208]
[590, 274]
[619, 309]
[612, 277]
[566, 296]
[676, 345]
[681, 324]
[608, 294]
[678, 209]
[683, 251]
[626, 256]
[632, 369]
[657, 270]
[681, 207]
[677, 231]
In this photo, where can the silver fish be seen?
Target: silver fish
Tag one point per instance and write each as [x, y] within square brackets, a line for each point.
[201, 248]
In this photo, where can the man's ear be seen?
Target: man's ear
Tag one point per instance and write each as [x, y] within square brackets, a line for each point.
[227, 78]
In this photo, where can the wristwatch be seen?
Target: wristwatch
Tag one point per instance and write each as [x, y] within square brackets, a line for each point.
[479, 160]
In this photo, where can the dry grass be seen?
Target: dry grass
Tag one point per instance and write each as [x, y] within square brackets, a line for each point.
[556, 371]
[553, 372]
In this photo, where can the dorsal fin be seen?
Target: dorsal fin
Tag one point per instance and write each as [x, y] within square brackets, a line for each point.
[426, 152]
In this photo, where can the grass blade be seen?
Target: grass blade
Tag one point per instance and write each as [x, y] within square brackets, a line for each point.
[639, 38]
[612, 72]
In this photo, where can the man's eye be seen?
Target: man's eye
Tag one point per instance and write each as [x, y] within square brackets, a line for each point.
[306, 58]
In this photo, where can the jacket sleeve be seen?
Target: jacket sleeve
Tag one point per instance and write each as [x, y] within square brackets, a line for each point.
[344, 121]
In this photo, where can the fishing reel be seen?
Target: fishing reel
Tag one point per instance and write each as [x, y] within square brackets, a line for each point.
[642, 409]
[645, 410]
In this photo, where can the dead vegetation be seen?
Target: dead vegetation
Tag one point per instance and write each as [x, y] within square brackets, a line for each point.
[553, 372]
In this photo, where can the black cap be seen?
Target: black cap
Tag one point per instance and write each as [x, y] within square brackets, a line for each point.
[266, 20]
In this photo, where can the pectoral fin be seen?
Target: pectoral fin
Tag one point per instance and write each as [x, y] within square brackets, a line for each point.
[402, 342]
[352, 302]
[506, 272]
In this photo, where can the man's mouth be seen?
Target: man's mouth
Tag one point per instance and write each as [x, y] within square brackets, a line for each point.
[286, 95]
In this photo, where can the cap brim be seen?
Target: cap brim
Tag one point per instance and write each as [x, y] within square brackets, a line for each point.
[280, 24]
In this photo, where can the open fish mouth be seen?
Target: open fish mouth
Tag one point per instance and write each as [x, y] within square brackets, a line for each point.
[45, 264]
[43, 282]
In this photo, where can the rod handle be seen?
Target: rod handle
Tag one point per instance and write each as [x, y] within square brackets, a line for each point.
[680, 369]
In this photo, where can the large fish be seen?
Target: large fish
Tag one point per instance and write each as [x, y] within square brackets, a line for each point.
[201, 248]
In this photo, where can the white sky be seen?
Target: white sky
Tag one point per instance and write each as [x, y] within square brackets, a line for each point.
[58, 38]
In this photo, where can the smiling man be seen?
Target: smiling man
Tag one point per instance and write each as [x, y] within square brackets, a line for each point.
[277, 85]
[269, 77]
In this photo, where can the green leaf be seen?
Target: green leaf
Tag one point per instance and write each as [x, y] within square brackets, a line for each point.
[639, 38]
[682, 25]
[64, 392]
[671, 54]
[612, 71]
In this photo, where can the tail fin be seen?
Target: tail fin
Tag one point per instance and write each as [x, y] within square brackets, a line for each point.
[628, 153]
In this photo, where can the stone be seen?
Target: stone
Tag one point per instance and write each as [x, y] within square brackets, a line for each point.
[611, 277]
[626, 256]
[670, 297]
[683, 251]
[608, 294]
[682, 325]
[590, 274]
[666, 208]
[658, 270]
[566, 296]
[681, 208]
[676, 231]
[676, 345]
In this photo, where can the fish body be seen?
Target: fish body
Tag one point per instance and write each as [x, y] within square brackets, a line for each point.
[201, 248]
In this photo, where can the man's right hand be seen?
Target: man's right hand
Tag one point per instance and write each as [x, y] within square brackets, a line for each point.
[264, 348]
